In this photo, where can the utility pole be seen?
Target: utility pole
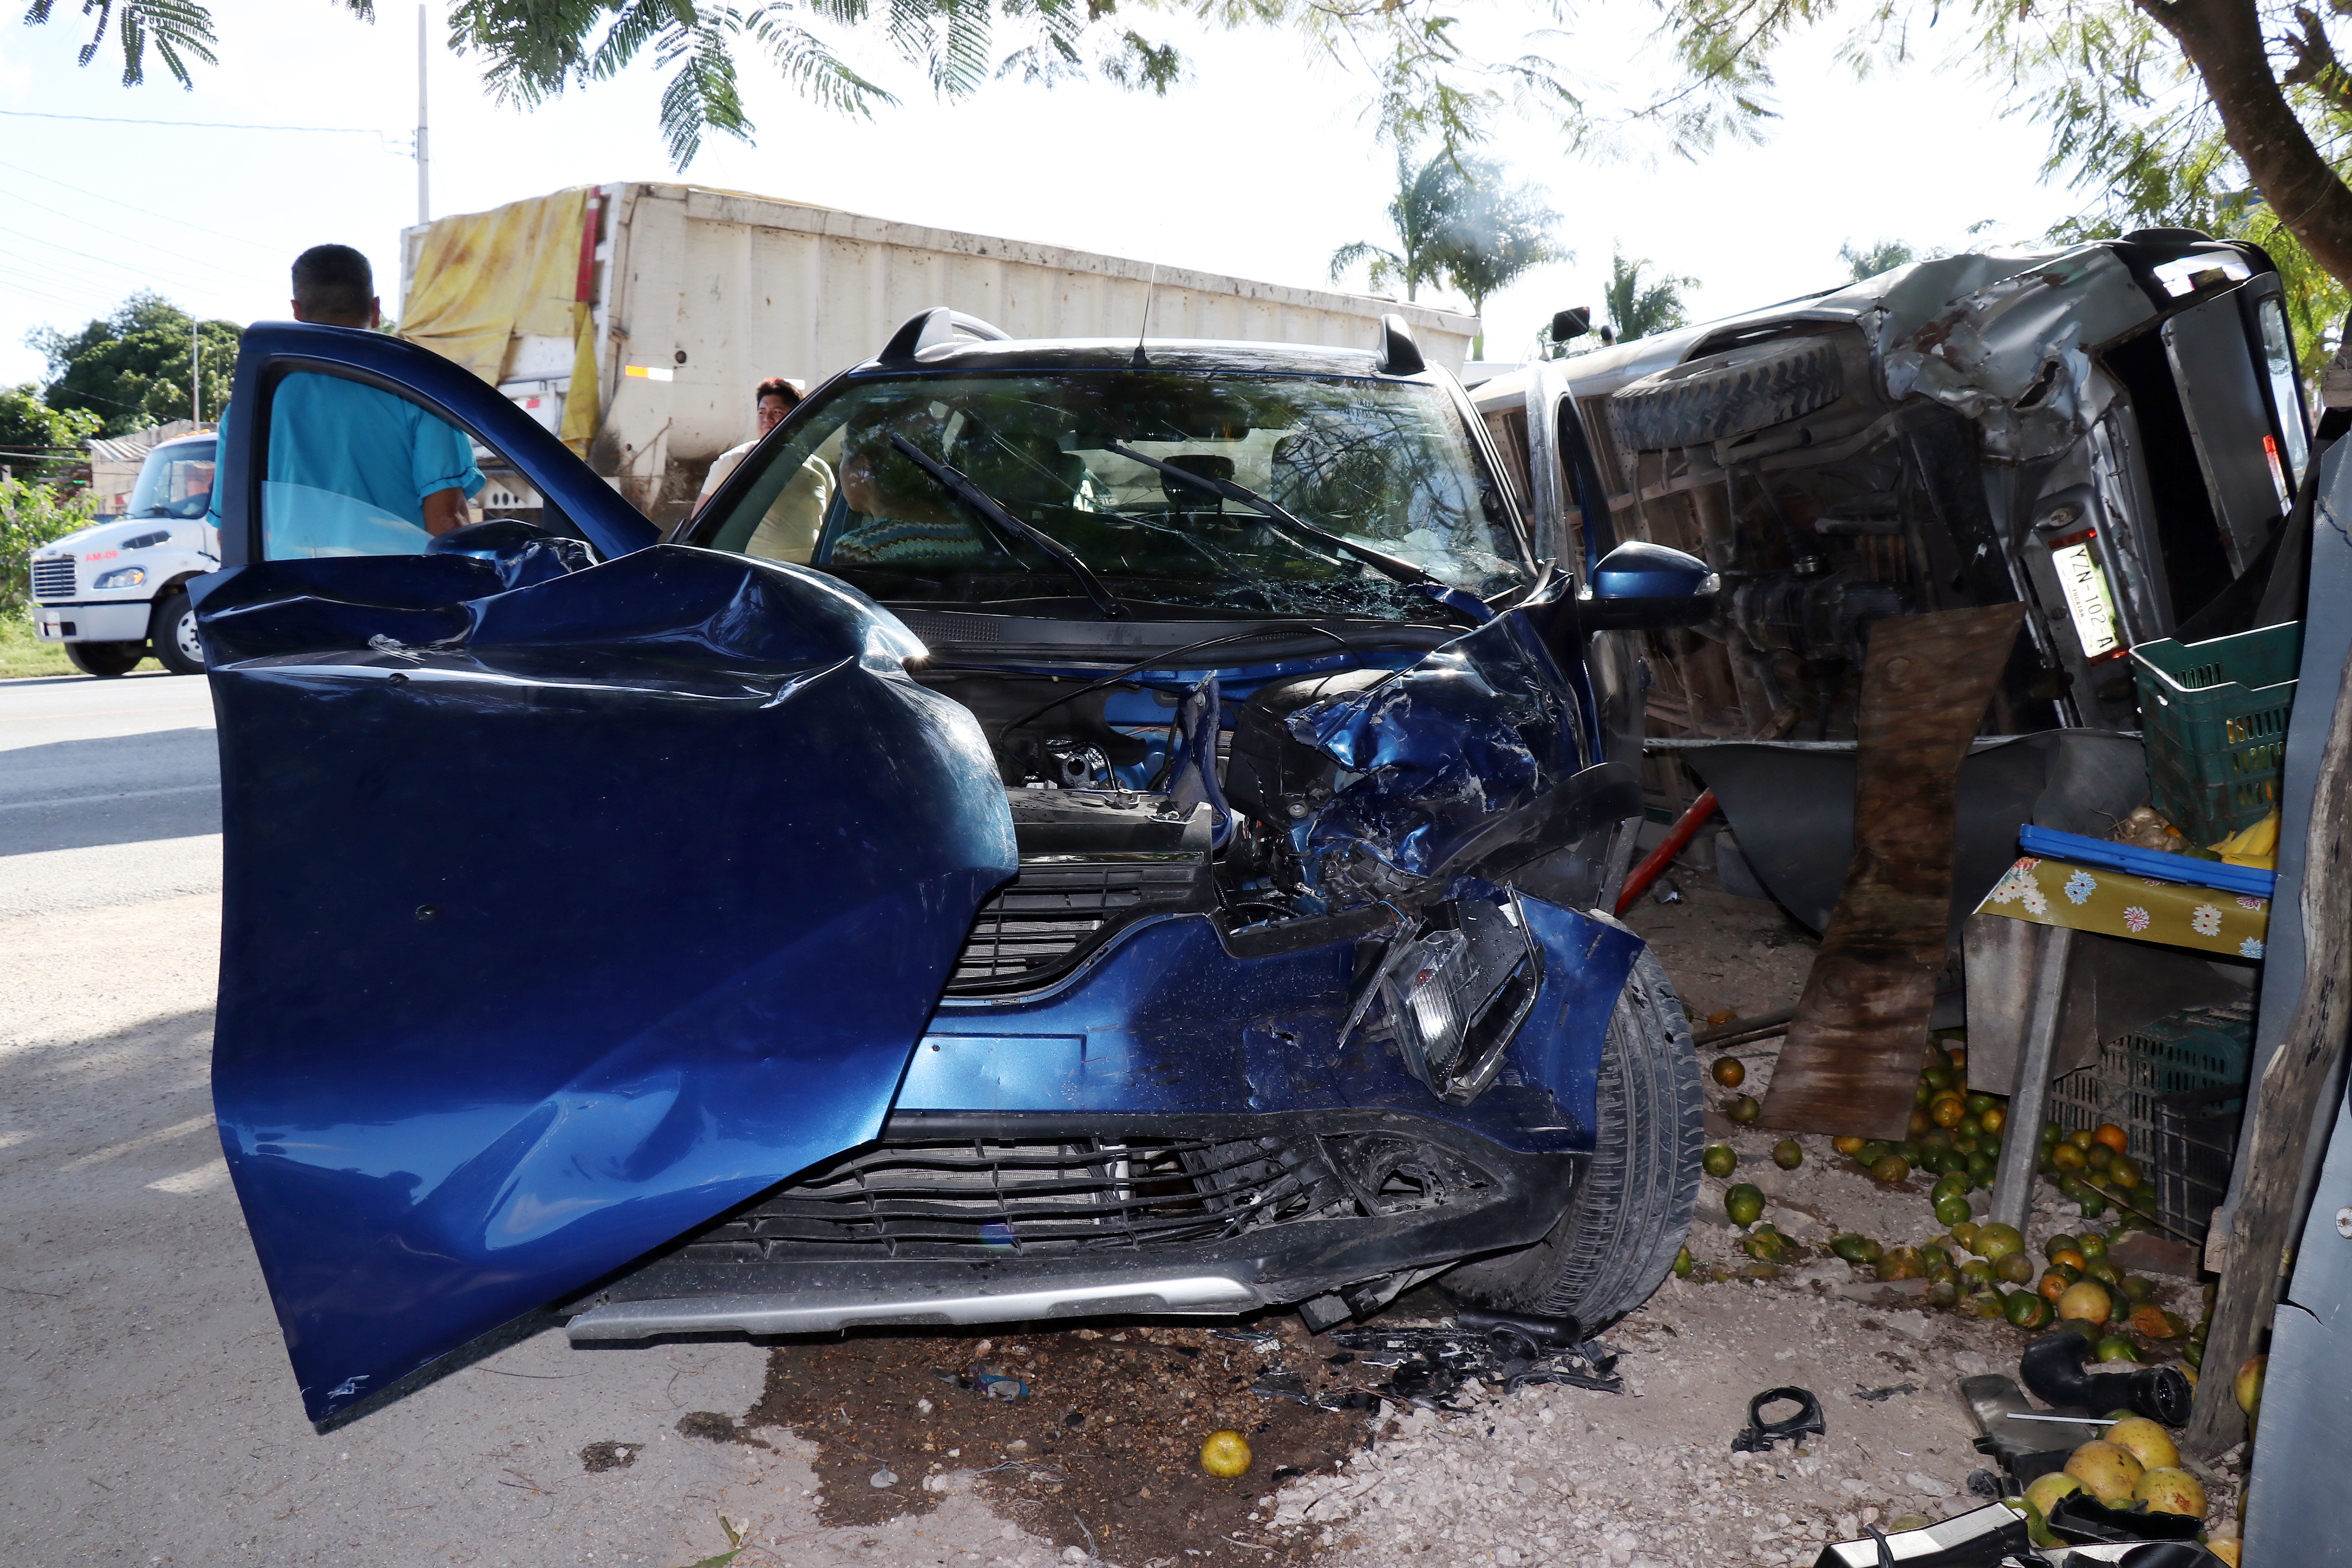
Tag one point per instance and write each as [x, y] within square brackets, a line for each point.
[424, 159]
[196, 372]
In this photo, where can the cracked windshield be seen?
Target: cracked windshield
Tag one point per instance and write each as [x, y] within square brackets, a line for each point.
[1274, 495]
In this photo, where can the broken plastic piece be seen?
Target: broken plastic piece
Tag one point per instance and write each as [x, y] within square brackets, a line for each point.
[1760, 1434]
[2081, 1518]
[1429, 1364]
[995, 1386]
[2051, 1368]
[1982, 1538]
[2023, 1446]
[1519, 1336]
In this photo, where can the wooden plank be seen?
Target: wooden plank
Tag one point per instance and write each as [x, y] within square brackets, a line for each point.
[1851, 1060]
[2285, 1098]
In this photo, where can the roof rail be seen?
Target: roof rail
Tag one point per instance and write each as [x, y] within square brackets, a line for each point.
[930, 328]
[1399, 355]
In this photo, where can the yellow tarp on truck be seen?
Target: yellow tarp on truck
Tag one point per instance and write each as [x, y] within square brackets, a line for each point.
[484, 280]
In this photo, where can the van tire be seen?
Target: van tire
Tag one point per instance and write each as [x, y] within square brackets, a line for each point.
[1729, 395]
[172, 633]
[1631, 1210]
[105, 658]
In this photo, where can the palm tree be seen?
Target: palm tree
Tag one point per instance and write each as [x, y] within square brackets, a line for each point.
[1457, 223]
[1426, 203]
[1884, 257]
[1636, 311]
[1501, 232]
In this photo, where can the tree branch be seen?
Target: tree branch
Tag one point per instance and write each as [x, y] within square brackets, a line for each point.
[2315, 64]
[2224, 41]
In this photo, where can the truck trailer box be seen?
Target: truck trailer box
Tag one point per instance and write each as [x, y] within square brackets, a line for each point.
[668, 304]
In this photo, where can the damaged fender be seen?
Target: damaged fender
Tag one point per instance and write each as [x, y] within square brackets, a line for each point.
[558, 919]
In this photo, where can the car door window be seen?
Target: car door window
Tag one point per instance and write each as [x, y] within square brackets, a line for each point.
[2278, 361]
[353, 470]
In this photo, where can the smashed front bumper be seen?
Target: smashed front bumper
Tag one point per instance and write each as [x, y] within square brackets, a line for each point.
[956, 1218]
[1171, 1127]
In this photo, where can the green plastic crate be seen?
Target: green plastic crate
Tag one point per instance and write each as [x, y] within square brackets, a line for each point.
[2196, 1048]
[2214, 715]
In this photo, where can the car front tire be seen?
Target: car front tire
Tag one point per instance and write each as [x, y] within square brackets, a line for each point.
[106, 659]
[172, 632]
[1631, 1209]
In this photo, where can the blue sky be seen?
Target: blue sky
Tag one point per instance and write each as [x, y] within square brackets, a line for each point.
[1259, 166]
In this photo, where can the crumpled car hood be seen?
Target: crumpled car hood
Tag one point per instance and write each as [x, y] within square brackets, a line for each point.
[1451, 754]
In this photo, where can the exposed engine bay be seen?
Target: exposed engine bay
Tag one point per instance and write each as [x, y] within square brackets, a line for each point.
[1404, 809]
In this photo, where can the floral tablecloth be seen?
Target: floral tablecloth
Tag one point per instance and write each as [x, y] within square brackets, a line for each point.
[2116, 903]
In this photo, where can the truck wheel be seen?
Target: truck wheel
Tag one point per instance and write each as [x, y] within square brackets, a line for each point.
[172, 632]
[106, 658]
[1729, 395]
[1632, 1209]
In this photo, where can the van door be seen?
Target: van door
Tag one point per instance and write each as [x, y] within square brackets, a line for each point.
[576, 888]
[2251, 455]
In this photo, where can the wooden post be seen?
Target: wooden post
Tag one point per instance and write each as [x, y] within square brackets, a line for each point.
[2021, 1143]
[2283, 1103]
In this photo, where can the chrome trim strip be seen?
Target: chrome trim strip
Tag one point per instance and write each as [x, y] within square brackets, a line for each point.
[822, 1312]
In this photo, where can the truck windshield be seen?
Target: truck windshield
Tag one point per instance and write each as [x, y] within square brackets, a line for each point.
[1388, 466]
[175, 481]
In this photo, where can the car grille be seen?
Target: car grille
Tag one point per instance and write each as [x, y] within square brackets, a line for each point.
[53, 579]
[978, 1198]
[1055, 910]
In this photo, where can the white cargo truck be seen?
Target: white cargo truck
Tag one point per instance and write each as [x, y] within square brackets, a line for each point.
[115, 593]
[678, 299]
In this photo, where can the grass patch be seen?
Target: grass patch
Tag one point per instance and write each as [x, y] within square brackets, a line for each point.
[23, 654]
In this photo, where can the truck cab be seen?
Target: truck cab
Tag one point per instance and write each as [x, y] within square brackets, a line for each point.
[115, 592]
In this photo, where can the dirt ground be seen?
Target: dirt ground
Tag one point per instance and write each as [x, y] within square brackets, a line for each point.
[1096, 1462]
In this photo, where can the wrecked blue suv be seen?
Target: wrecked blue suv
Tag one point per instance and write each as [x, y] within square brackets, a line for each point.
[1068, 829]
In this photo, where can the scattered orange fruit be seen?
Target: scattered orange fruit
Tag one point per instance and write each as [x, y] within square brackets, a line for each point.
[2114, 1137]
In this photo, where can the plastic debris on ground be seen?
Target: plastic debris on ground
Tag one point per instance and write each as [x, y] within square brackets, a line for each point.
[1428, 1366]
[1760, 1435]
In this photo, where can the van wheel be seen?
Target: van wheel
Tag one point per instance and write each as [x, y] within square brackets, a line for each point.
[106, 658]
[1727, 394]
[1632, 1206]
[172, 632]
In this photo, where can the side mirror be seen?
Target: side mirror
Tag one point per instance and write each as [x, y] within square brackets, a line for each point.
[1641, 586]
[1573, 322]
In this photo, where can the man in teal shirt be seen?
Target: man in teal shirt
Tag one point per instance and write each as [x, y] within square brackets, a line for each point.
[353, 470]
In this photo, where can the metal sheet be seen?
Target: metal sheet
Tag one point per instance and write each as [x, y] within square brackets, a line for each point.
[1850, 1062]
[2306, 1422]
[2113, 986]
[491, 1024]
[1791, 805]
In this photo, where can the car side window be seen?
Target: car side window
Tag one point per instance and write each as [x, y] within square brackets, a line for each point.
[352, 469]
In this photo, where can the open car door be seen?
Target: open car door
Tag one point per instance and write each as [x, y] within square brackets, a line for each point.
[577, 887]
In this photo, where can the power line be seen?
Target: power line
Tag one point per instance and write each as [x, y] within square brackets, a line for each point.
[143, 212]
[182, 282]
[197, 124]
[246, 278]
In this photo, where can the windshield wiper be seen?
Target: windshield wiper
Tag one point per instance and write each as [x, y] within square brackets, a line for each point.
[1005, 527]
[1388, 565]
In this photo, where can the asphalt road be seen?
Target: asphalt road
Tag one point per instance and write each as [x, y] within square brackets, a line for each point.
[146, 1406]
[109, 793]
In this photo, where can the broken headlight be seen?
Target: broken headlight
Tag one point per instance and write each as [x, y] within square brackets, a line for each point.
[1455, 994]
